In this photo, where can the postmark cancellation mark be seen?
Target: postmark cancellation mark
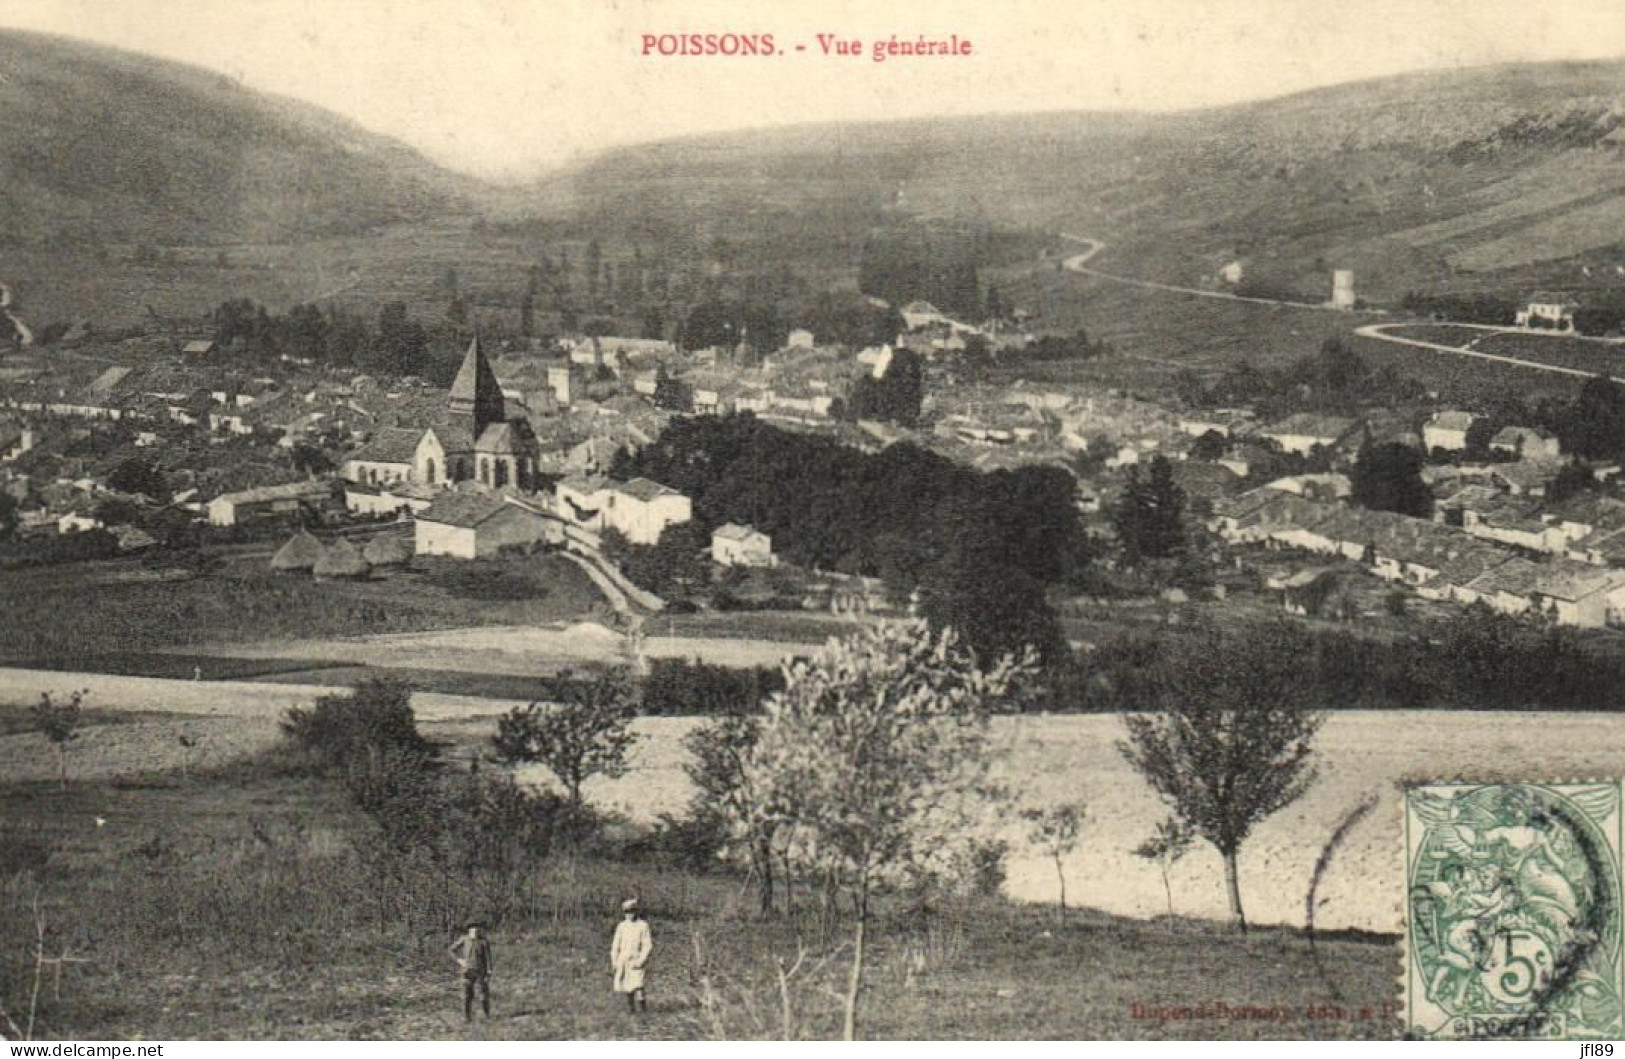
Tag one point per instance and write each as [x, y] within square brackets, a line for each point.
[1513, 921]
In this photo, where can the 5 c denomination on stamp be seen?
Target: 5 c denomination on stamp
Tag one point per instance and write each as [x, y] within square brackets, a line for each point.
[1513, 924]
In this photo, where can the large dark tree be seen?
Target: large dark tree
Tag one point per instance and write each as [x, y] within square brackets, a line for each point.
[996, 610]
[895, 396]
[1150, 514]
[136, 475]
[1388, 477]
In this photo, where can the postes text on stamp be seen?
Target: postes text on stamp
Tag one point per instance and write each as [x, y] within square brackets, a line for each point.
[1513, 925]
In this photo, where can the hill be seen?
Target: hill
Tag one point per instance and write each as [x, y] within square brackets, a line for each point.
[107, 147]
[1421, 180]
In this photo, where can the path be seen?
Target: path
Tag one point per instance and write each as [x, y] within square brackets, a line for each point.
[1379, 332]
[1077, 262]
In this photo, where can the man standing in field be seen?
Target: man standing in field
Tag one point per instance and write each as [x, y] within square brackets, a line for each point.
[473, 954]
[629, 953]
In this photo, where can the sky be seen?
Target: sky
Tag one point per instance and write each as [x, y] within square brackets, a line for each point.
[506, 89]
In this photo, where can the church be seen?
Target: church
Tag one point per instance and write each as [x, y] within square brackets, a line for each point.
[473, 441]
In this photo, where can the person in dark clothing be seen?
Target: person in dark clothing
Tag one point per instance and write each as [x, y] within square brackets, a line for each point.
[473, 954]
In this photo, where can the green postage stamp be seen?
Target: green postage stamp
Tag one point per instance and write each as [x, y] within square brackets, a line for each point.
[1513, 910]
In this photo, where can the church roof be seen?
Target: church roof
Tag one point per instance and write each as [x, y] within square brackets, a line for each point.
[476, 385]
[513, 437]
[391, 445]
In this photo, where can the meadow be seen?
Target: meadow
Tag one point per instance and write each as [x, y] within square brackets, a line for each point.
[1364, 756]
[244, 600]
[242, 902]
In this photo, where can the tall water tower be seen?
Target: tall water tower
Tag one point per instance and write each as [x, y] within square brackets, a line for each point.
[1343, 289]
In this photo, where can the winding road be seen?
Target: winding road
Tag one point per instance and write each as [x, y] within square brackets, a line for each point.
[1078, 264]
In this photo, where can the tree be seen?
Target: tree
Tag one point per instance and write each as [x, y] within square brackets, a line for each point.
[59, 723]
[994, 609]
[136, 475]
[1574, 478]
[1388, 477]
[374, 719]
[1229, 742]
[722, 808]
[586, 735]
[1150, 515]
[875, 755]
[10, 516]
[1055, 830]
[1166, 846]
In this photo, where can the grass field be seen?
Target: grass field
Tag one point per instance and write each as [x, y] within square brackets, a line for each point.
[56, 620]
[234, 905]
[1049, 759]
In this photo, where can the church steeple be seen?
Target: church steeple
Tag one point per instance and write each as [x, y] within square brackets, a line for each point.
[475, 392]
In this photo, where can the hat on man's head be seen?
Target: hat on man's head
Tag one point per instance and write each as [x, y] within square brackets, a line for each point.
[629, 905]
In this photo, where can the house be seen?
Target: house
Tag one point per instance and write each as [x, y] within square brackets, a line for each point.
[1578, 594]
[918, 314]
[199, 347]
[1508, 526]
[1506, 588]
[1547, 310]
[1527, 443]
[1303, 432]
[1447, 431]
[735, 545]
[1526, 477]
[476, 524]
[77, 521]
[1585, 513]
[396, 498]
[642, 509]
[1315, 486]
[14, 441]
[1459, 571]
[389, 456]
[231, 509]
[800, 338]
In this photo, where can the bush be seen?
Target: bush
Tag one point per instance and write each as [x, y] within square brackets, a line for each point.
[677, 686]
[373, 720]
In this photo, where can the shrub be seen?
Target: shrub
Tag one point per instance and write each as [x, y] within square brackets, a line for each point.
[373, 719]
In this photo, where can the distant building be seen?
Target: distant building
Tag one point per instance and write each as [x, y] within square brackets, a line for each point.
[735, 545]
[199, 347]
[1551, 311]
[232, 509]
[1305, 431]
[1447, 431]
[800, 338]
[481, 525]
[1343, 290]
[1529, 443]
[562, 381]
[640, 509]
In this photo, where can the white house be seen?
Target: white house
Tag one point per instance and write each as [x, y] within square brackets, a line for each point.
[1303, 432]
[642, 509]
[480, 525]
[1447, 431]
[800, 338]
[1529, 443]
[77, 522]
[735, 545]
[1552, 311]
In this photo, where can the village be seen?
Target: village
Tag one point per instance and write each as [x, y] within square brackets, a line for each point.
[360, 473]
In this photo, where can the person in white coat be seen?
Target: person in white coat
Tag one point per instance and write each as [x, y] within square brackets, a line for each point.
[629, 954]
